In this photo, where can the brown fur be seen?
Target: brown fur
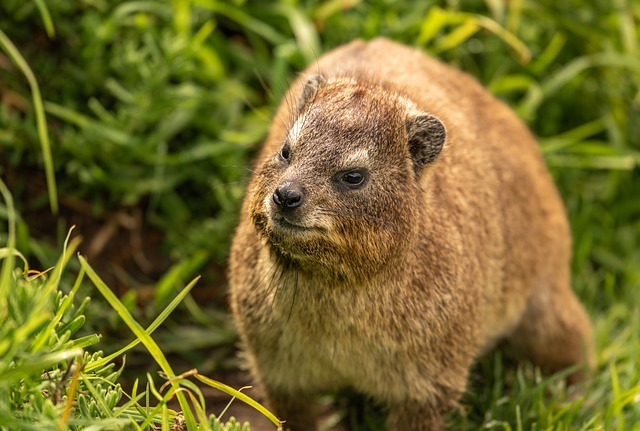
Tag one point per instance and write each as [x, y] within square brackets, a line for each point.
[396, 287]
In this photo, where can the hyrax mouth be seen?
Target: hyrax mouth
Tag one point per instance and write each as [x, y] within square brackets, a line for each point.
[282, 223]
[293, 226]
[286, 208]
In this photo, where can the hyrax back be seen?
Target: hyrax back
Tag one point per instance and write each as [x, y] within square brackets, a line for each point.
[399, 223]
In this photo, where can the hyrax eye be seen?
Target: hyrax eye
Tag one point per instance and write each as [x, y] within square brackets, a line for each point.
[285, 152]
[352, 179]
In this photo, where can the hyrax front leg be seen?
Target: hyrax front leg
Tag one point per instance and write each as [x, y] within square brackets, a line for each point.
[429, 412]
[555, 332]
[297, 410]
[417, 416]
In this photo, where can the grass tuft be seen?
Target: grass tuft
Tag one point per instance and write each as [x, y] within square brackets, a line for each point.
[49, 381]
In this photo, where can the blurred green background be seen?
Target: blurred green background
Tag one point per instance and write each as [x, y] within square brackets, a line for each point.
[155, 108]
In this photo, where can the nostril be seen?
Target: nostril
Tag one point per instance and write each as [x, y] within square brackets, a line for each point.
[278, 196]
[288, 196]
[294, 199]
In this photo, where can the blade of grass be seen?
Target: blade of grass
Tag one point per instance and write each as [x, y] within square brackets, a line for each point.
[7, 265]
[97, 397]
[468, 25]
[435, 20]
[550, 53]
[570, 137]
[71, 395]
[46, 18]
[457, 36]
[140, 333]
[507, 36]
[165, 418]
[552, 85]
[239, 395]
[154, 325]
[200, 412]
[497, 8]
[615, 162]
[616, 406]
[245, 20]
[176, 274]
[329, 8]
[35, 321]
[5, 252]
[514, 15]
[305, 33]
[86, 341]
[504, 84]
[123, 409]
[182, 18]
[189, 386]
[627, 27]
[37, 364]
[41, 123]
[67, 252]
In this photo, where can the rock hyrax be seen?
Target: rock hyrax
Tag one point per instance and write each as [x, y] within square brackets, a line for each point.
[400, 221]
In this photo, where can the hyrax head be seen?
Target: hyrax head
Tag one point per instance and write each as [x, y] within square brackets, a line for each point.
[341, 193]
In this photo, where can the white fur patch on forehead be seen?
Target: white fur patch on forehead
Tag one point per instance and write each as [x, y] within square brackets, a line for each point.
[296, 129]
[357, 158]
[341, 80]
[412, 109]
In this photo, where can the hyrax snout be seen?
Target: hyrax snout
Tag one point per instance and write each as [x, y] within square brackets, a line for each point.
[399, 223]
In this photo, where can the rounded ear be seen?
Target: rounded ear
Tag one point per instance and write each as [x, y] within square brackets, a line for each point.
[310, 87]
[426, 138]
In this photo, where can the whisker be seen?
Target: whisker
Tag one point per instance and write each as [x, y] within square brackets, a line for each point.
[261, 177]
[264, 85]
[251, 171]
[270, 287]
[277, 285]
[295, 294]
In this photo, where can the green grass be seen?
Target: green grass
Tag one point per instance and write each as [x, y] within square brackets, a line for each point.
[158, 106]
[48, 379]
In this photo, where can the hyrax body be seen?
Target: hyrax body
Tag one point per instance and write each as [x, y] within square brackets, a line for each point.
[399, 223]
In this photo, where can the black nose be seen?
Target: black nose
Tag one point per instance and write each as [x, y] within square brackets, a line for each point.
[288, 196]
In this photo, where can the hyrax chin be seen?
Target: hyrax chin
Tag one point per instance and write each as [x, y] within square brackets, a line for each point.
[399, 223]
